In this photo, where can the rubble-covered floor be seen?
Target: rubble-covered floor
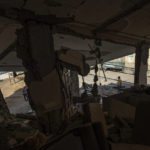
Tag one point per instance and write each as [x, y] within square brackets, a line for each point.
[119, 118]
[17, 132]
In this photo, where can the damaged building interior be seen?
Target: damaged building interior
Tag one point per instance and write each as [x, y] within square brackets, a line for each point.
[55, 41]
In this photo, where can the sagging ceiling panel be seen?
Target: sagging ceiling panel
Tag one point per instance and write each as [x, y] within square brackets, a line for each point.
[118, 21]
[115, 20]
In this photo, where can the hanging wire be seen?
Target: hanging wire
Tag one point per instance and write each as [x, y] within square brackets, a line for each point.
[84, 85]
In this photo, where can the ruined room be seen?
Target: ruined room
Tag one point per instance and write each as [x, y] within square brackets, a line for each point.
[74, 74]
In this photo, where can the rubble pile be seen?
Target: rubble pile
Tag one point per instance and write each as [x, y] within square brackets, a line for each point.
[14, 131]
[117, 128]
[17, 133]
[133, 97]
[118, 123]
[126, 119]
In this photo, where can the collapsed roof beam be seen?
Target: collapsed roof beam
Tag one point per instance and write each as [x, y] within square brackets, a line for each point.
[122, 15]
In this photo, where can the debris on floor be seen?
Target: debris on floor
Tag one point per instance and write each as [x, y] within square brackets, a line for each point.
[15, 131]
[34, 142]
[126, 119]
[117, 127]
[18, 132]
[119, 130]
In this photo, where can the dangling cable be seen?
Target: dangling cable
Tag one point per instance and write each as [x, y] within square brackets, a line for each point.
[95, 87]
[84, 85]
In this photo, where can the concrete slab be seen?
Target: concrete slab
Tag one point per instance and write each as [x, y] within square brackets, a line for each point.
[98, 116]
[123, 110]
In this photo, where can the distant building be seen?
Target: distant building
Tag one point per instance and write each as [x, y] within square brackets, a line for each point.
[129, 62]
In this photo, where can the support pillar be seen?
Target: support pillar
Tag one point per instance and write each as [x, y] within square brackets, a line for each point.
[36, 49]
[141, 64]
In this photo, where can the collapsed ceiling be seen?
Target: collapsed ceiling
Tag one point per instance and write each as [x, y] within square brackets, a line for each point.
[109, 51]
[118, 21]
[123, 21]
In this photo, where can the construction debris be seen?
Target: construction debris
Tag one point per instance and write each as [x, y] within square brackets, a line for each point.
[16, 133]
[34, 142]
[127, 119]
[117, 125]
[119, 130]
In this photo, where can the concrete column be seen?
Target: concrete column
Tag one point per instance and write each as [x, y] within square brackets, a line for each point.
[36, 49]
[141, 64]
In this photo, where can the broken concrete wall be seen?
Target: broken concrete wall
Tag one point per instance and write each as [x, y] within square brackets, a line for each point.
[35, 48]
[41, 47]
